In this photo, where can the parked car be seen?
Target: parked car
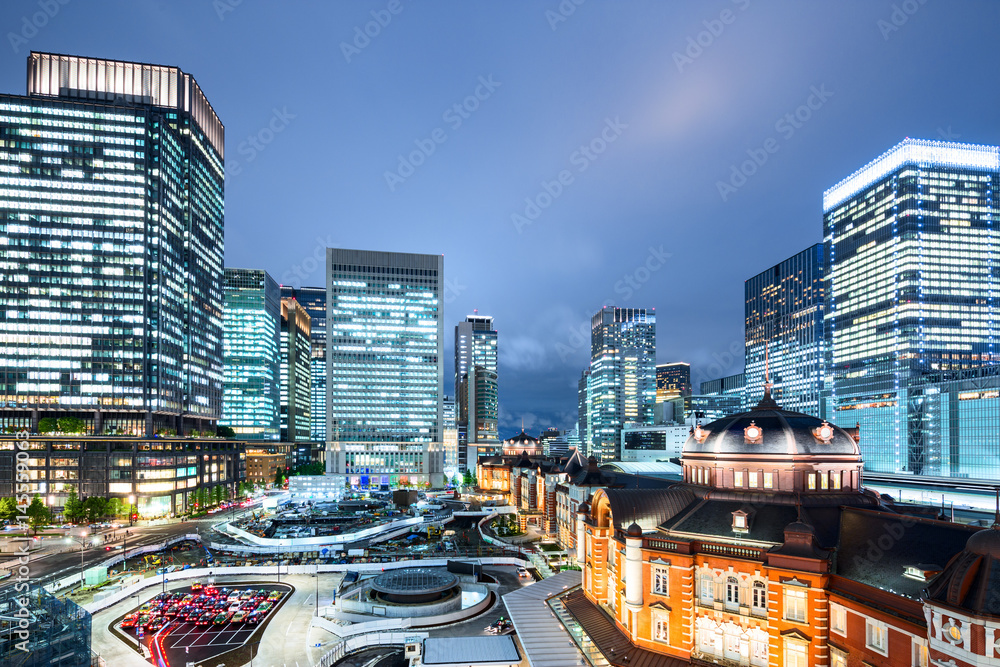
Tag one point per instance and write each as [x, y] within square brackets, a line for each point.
[222, 618]
[523, 572]
[205, 618]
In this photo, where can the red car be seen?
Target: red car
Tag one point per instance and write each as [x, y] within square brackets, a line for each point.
[196, 586]
[130, 620]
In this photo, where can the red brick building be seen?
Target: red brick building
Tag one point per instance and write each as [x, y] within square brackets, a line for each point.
[771, 553]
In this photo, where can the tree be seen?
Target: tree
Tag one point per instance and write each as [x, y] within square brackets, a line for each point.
[315, 468]
[38, 514]
[96, 508]
[8, 509]
[73, 509]
[226, 493]
[47, 424]
[225, 432]
[216, 494]
[116, 507]
[279, 477]
[71, 425]
[468, 480]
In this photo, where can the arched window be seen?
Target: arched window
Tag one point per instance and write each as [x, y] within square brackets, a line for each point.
[759, 599]
[732, 592]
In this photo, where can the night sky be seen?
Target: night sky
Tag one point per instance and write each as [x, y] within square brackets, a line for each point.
[560, 156]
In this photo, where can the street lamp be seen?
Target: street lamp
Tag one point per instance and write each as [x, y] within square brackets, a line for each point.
[82, 539]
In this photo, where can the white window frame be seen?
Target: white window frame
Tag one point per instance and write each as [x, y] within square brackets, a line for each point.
[796, 653]
[758, 597]
[659, 628]
[835, 480]
[706, 586]
[811, 481]
[838, 619]
[768, 480]
[920, 653]
[661, 580]
[752, 479]
[877, 636]
[732, 600]
[738, 479]
[801, 604]
[837, 658]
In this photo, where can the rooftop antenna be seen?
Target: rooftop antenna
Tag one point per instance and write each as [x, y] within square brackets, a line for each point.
[996, 517]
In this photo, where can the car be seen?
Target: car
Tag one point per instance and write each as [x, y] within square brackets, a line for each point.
[187, 599]
[265, 607]
[275, 596]
[160, 597]
[233, 597]
[210, 590]
[172, 610]
[197, 586]
[221, 618]
[143, 621]
[523, 572]
[130, 620]
[205, 618]
[156, 623]
[249, 605]
[191, 614]
[247, 595]
[239, 616]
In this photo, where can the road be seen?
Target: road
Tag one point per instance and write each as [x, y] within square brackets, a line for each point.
[56, 557]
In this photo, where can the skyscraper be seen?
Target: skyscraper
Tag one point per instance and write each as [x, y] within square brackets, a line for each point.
[476, 383]
[313, 299]
[784, 332]
[622, 383]
[384, 346]
[913, 248]
[112, 268]
[251, 400]
[296, 375]
[672, 380]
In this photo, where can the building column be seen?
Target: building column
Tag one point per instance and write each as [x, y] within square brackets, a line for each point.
[633, 571]
[98, 422]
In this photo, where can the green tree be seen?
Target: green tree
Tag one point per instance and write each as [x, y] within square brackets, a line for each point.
[225, 432]
[71, 425]
[96, 508]
[38, 514]
[226, 493]
[314, 468]
[116, 507]
[279, 477]
[47, 424]
[8, 509]
[216, 495]
[468, 479]
[73, 509]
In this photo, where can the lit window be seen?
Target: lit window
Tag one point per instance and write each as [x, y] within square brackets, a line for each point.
[835, 479]
[823, 484]
[919, 653]
[811, 481]
[707, 589]
[796, 653]
[661, 627]
[876, 634]
[738, 478]
[752, 480]
[759, 600]
[732, 592]
[838, 619]
[837, 658]
[795, 604]
[769, 480]
[661, 580]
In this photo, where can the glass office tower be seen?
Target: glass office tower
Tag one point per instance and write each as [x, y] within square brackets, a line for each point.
[295, 371]
[313, 299]
[111, 269]
[251, 400]
[784, 330]
[385, 337]
[622, 383]
[912, 245]
[672, 380]
[476, 384]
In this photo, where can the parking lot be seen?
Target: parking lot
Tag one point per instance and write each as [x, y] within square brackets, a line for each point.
[198, 624]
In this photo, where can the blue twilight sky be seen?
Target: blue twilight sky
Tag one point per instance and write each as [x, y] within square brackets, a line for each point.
[640, 108]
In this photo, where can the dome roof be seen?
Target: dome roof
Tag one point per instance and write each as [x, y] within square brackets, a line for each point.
[522, 438]
[985, 543]
[767, 429]
[635, 530]
[971, 579]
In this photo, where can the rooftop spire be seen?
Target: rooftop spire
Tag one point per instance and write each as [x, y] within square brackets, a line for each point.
[767, 403]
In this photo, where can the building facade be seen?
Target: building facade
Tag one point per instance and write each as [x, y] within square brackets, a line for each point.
[784, 331]
[313, 300]
[296, 372]
[385, 366]
[161, 473]
[113, 299]
[660, 442]
[252, 395]
[264, 462]
[386, 465]
[816, 570]
[476, 383]
[54, 632]
[672, 380]
[621, 386]
[912, 244]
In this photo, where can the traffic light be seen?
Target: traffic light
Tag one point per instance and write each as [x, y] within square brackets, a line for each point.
[135, 517]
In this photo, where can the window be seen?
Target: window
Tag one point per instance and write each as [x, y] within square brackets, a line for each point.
[876, 635]
[919, 653]
[759, 641]
[661, 580]
[796, 653]
[732, 592]
[738, 479]
[795, 604]
[759, 600]
[811, 481]
[823, 482]
[769, 480]
[837, 658]
[835, 480]
[661, 627]
[707, 589]
[752, 480]
[838, 619]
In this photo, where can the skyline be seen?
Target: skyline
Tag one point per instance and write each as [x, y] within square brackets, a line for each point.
[669, 133]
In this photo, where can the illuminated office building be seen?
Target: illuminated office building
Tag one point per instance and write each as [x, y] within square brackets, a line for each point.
[784, 331]
[250, 403]
[672, 380]
[621, 387]
[912, 245]
[385, 367]
[111, 224]
[476, 383]
[313, 299]
[296, 374]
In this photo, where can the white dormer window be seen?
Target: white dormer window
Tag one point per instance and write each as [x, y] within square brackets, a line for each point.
[740, 522]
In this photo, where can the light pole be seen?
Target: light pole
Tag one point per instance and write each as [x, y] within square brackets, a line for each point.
[82, 539]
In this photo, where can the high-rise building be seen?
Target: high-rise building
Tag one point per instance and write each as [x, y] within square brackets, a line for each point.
[784, 332]
[622, 383]
[450, 437]
[384, 347]
[313, 299]
[296, 374]
[584, 404]
[672, 380]
[913, 246]
[476, 384]
[111, 223]
[252, 397]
